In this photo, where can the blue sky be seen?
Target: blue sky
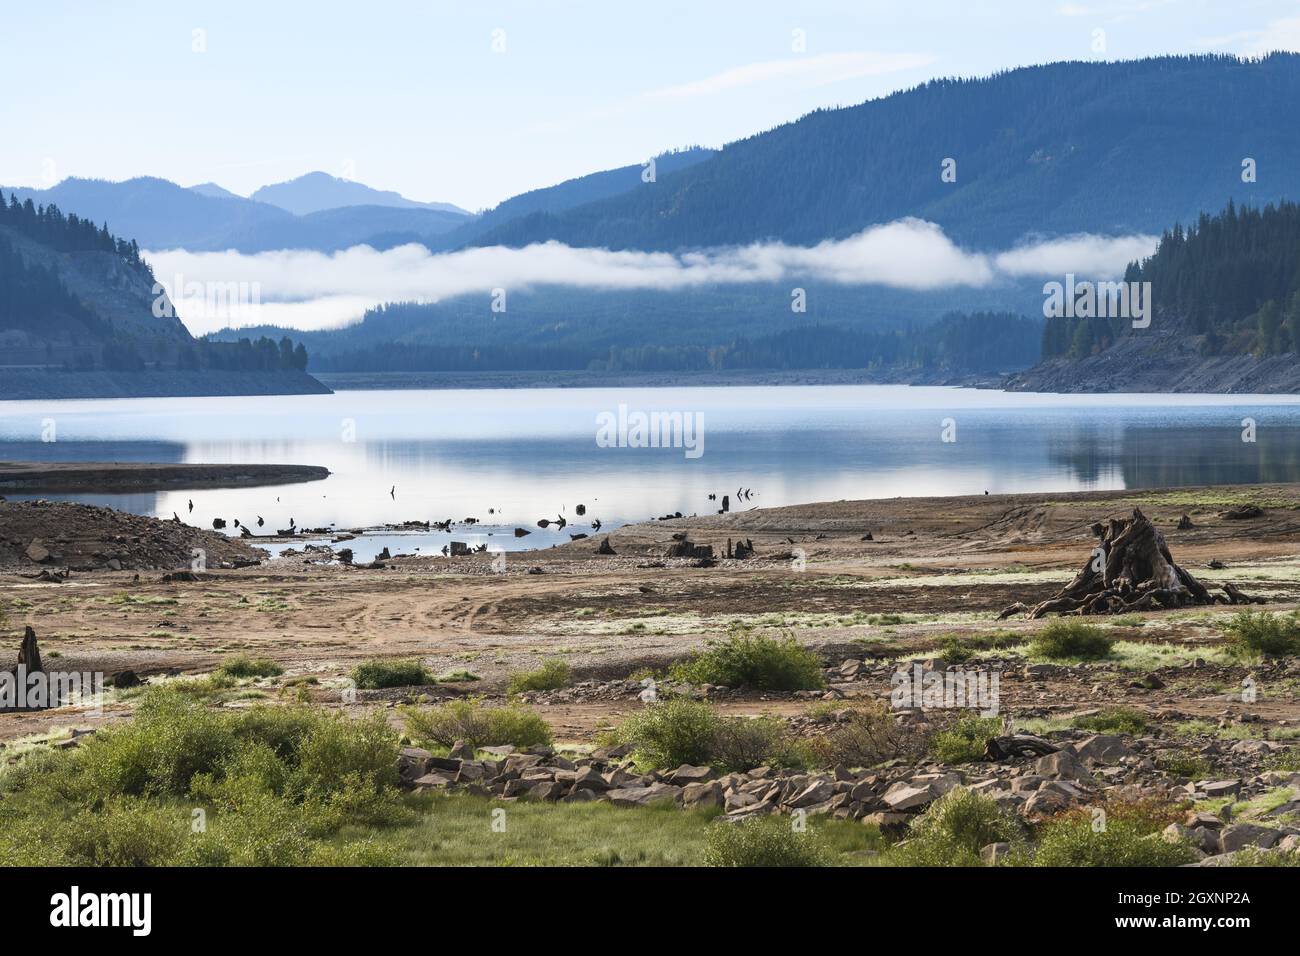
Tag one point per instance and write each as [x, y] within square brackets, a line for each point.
[412, 96]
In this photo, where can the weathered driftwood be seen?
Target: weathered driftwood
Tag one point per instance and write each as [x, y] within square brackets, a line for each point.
[1131, 569]
[999, 749]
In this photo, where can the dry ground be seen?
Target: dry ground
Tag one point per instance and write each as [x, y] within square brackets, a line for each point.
[936, 566]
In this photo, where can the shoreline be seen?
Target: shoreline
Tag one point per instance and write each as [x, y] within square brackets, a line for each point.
[107, 477]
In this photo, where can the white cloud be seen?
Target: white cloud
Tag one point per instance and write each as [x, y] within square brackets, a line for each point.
[1081, 254]
[314, 290]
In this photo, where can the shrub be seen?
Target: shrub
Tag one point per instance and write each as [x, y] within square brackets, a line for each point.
[476, 723]
[954, 830]
[955, 649]
[763, 663]
[964, 740]
[244, 666]
[867, 736]
[1114, 720]
[374, 675]
[126, 832]
[1064, 638]
[1255, 633]
[1073, 839]
[552, 675]
[1284, 761]
[763, 842]
[673, 732]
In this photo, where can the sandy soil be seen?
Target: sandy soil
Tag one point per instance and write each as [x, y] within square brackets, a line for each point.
[935, 566]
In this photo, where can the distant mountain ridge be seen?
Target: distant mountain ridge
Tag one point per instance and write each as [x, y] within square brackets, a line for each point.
[162, 215]
[317, 191]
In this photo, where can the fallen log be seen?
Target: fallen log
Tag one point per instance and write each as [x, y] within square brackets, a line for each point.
[1131, 569]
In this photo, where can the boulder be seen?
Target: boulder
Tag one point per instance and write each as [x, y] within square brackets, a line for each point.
[1241, 835]
[707, 794]
[644, 796]
[687, 774]
[1103, 748]
[903, 796]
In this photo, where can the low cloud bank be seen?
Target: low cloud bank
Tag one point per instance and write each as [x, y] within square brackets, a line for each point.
[314, 290]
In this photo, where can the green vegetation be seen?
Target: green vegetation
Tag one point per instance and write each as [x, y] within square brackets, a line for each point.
[964, 740]
[755, 661]
[1129, 836]
[1256, 633]
[867, 735]
[1114, 720]
[954, 830]
[374, 675]
[763, 842]
[477, 724]
[667, 734]
[243, 666]
[552, 675]
[1065, 638]
[958, 649]
[273, 787]
[1185, 764]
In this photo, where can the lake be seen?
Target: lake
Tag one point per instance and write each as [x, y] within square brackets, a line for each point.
[529, 454]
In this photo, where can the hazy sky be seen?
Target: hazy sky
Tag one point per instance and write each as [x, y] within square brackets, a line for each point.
[412, 96]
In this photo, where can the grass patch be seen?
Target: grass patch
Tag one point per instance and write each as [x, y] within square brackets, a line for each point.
[1185, 764]
[755, 661]
[374, 675]
[243, 666]
[954, 830]
[552, 675]
[1114, 720]
[1070, 638]
[1129, 837]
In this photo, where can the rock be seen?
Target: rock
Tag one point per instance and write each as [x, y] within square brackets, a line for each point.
[431, 781]
[1219, 788]
[1045, 803]
[816, 792]
[687, 774]
[888, 821]
[1240, 835]
[545, 791]
[1103, 748]
[903, 796]
[37, 553]
[460, 750]
[734, 800]
[644, 796]
[1063, 765]
[696, 795]
[125, 679]
[995, 853]
[588, 779]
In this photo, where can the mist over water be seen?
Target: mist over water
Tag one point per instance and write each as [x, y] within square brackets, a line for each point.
[530, 454]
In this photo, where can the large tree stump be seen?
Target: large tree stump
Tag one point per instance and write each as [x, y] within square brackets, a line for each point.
[29, 654]
[1131, 569]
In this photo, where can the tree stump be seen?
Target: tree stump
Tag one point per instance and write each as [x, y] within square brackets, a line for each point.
[29, 654]
[1131, 569]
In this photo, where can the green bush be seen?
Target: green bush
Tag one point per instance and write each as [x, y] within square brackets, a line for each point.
[954, 830]
[1284, 761]
[375, 675]
[1185, 764]
[769, 841]
[964, 740]
[1073, 839]
[243, 666]
[552, 675]
[955, 649]
[477, 724]
[755, 661]
[1070, 637]
[670, 733]
[1255, 633]
[1114, 720]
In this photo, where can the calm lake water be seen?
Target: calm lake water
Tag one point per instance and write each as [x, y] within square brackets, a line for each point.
[534, 453]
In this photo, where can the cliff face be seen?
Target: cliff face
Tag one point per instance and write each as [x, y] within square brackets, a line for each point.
[1161, 361]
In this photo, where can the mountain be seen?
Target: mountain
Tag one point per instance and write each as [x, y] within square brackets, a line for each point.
[81, 316]
[162, 215]
[566, 195]
[1113, 148]
[318, 191]
[213, 191]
